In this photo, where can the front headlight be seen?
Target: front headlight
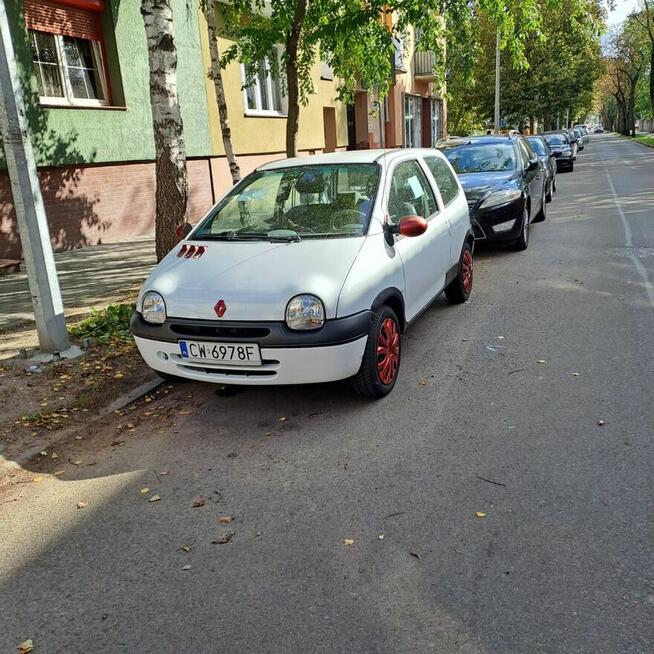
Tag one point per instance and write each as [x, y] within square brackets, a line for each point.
[153, 308]
[305, 312]
[501, 197]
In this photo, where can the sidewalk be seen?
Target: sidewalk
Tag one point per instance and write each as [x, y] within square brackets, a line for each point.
[88, 277]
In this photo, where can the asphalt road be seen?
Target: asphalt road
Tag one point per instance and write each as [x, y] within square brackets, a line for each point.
[562, 562]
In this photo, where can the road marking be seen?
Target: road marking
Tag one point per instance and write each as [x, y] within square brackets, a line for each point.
[649, 288]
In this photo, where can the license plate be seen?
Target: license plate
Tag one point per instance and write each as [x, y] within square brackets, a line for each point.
[230, 353]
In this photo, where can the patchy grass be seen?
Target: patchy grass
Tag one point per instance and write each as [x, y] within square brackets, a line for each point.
[645, 140]
[104, 325]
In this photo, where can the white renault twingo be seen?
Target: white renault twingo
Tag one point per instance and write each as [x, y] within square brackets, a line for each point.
[308, 271]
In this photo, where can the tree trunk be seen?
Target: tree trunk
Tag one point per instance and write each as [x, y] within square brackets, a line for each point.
[217, 77]
[651, 79]
[292, 42]
[171, 177]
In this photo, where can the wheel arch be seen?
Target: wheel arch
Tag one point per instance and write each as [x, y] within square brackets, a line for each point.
[393, 298]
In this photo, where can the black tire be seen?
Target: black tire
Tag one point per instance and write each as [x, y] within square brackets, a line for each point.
[170, 378]
[522, 242]
[572, 167]
[542, 214]
[459, 289]
[368, 382]
[548, 195]
[554, 184]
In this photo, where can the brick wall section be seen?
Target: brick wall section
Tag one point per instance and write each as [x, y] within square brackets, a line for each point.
[89, 205]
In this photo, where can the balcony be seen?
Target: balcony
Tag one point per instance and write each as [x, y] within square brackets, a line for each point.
[423, 66]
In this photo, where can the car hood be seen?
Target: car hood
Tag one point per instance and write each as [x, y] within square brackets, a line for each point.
[255, 279]
[479, 185]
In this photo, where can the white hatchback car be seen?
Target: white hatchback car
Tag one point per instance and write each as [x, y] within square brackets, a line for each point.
[309, 270]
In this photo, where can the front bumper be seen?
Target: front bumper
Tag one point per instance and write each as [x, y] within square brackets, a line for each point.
[288, 357]
[484, 222]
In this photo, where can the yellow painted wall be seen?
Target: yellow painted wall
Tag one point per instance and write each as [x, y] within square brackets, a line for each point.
[267, 135]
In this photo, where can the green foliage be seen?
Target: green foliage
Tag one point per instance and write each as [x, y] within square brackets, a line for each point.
[106, 324]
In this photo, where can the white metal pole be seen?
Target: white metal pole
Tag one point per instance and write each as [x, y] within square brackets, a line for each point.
[28, 203]
[497, 83]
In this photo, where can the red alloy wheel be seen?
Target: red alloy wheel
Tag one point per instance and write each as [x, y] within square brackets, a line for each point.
[388, 351]
[466, 271]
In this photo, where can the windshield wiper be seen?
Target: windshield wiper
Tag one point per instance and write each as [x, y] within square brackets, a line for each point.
[283, 236]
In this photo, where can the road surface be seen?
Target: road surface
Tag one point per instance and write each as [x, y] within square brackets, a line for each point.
[496, 411]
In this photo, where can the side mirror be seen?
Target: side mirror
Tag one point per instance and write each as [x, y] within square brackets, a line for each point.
[183, 231]
[407, 226]
[532, 165]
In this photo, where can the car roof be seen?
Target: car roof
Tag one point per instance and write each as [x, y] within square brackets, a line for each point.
[479, 140]
[348, 157]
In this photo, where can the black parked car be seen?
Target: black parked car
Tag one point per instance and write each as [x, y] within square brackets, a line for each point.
[504, 182]
[562, 149]
[540, 146]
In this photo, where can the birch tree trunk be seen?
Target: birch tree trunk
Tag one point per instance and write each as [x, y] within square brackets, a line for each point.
[217, 77]
[292, 43]
[171, 176]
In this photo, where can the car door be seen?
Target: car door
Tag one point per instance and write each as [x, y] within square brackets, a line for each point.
[425, 258]
[534, 178]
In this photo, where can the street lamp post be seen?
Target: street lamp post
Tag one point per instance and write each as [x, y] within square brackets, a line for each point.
[28, 202]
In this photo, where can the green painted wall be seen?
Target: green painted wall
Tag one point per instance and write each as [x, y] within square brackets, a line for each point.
[67, 136]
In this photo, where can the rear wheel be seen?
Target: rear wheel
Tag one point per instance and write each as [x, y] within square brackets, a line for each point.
[459, 289]
[542, 214]
[381, 358]
[548, 196]
[522, 243]
[572, 166]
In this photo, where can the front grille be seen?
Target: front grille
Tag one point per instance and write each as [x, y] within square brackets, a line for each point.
[478, 231]
[237, 372]
[215, 331]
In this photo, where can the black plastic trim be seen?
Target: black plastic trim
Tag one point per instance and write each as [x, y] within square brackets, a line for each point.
[334, 332]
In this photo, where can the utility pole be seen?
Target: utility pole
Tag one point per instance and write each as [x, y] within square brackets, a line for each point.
[497, 83]
[28, 203]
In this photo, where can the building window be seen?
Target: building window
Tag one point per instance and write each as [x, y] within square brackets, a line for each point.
[412, 121]
[263, 95]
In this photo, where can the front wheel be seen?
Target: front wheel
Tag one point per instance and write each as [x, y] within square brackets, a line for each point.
[459, 289]
[522, 243]
[542, 214]
[381, 358]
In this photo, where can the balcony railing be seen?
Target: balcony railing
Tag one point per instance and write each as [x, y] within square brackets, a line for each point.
[423, 66]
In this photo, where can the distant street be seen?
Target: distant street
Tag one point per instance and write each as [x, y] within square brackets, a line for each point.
[500, 500]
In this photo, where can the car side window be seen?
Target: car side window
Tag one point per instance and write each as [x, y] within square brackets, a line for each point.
[410, 193]
[525, 153]
[444, 178]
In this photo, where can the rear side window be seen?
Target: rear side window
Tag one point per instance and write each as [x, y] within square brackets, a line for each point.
[444, 178]
[410, 193]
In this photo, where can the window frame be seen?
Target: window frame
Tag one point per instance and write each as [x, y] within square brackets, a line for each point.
[68, 99]
[415, 119]
[427, 179]
[258, 111]
[438, 186]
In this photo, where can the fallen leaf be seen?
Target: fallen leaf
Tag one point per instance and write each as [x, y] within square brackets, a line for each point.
[268, 433]
[422, 382]
[38, 479]
[54, 455]
[222, 540]
[185, 413]
[185, 548]
[575, 374]
[145, 490]
[81, 505]
[57, 473]
[283, 419]
[348, 542]
[226, 519]
[601, 423]
[500, 338]
[163, 472]
[197, 503]
[416, 555]
[119, 375]
[480, 514]
[78, 438]
[76, 462]
[541, 361]
[186, 567]
[43, 453]
[26, 646]
[381, 536]
[154, 498]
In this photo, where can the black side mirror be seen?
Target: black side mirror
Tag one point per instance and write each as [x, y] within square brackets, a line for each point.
[532, 165]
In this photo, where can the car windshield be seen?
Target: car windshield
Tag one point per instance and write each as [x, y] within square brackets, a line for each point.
[556, 139]
[313, 201]
[538, 147]
[482, 158]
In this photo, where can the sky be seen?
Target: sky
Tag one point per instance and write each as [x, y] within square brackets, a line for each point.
[622, 9]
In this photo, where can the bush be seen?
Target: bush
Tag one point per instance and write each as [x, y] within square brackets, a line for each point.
[105, 324]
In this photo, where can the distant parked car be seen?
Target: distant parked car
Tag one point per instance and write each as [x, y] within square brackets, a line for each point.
[542, 149]
[574, 142]
[585, 135]
[580, 140]
[504, 182]
[308, 271]
[599, 130]
[562, 150]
